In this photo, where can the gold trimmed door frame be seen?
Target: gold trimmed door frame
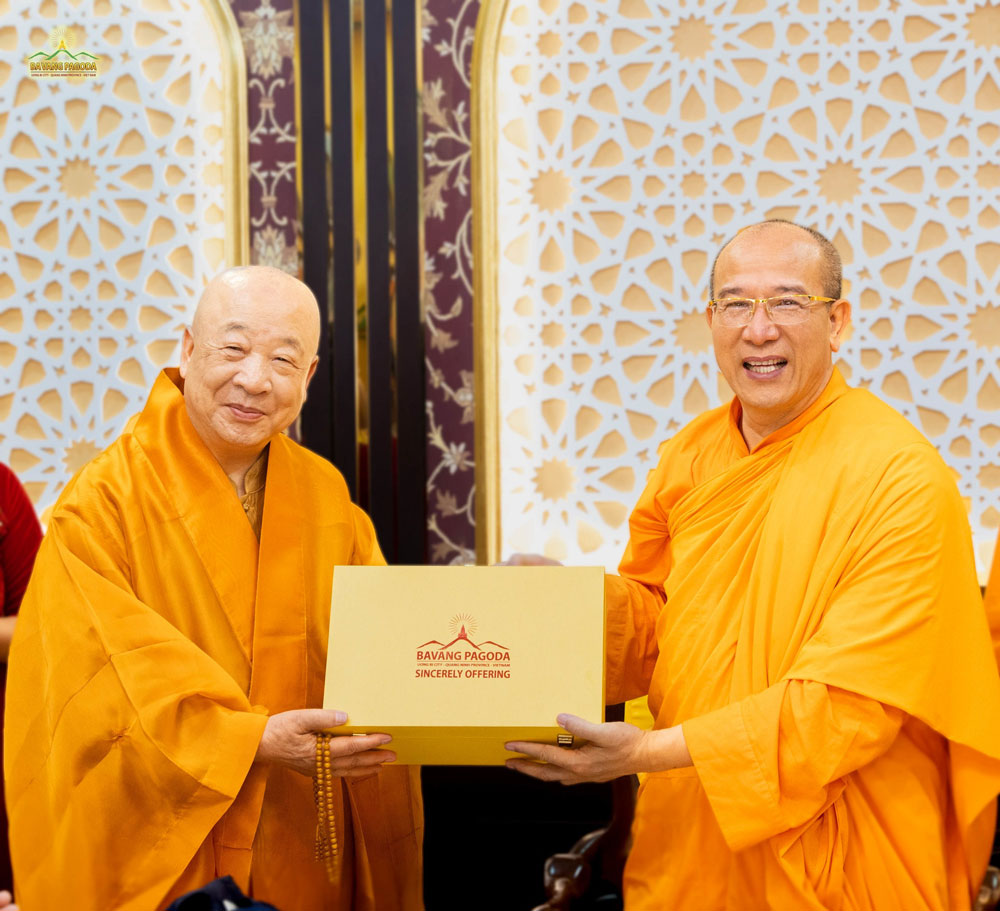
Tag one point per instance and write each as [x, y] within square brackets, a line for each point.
[485, 50]
[236, 133]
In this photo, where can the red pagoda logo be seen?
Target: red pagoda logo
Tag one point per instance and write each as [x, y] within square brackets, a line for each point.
[462, 657]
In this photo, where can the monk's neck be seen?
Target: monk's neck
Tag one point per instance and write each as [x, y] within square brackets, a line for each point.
[756, 425]
[237, 467]
[756, 431]
[238, 478]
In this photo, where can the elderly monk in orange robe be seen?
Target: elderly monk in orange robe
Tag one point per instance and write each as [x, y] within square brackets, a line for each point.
[173, 639]
[799, 600]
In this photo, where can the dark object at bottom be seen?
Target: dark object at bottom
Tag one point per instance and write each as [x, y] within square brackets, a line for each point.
[219, 895]
[490, 832]
[589, 875]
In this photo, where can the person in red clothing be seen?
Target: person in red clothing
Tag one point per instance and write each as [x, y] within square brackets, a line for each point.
[20, 535]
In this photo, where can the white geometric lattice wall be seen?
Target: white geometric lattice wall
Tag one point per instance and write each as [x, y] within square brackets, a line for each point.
[632, 137]
[114, 216]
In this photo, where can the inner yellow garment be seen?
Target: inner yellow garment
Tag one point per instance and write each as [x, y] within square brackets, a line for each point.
[809, 612]
[154, 639]
[252, 499]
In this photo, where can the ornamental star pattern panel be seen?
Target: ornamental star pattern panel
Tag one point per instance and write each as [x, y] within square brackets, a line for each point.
[112, 220]
[634, 137]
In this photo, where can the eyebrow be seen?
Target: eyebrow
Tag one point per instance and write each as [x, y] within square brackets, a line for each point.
[781, 289]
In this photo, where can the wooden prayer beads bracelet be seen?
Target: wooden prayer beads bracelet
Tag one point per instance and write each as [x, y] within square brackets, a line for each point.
[326, 824]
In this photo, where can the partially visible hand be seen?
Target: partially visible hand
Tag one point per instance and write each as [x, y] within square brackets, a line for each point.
[289, 739]
[6, 900]
[529, 560]
[612, 750]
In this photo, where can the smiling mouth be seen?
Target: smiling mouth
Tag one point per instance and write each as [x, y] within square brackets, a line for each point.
[765, 365]
[241, 411]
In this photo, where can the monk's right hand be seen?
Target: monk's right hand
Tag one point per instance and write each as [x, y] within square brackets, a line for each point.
[289, 739]
[529, 560]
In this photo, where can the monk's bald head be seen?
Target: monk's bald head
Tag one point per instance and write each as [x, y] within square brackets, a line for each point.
[247, 359]
[786, 233]
[266, 287]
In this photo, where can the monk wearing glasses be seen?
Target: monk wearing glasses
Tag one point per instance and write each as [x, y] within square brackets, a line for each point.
[798, 599]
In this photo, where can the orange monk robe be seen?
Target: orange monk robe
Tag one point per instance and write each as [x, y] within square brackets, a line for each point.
[809, 613]
[154, 639]
[992, 599]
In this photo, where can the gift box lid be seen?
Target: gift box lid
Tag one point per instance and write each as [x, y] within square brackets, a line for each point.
[454, 661]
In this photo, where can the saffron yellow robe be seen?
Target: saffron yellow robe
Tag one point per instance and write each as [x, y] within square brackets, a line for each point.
[155, 638]
[809, 613]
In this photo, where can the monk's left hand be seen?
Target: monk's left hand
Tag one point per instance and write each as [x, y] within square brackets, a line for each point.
[612, 750]
[289, 739]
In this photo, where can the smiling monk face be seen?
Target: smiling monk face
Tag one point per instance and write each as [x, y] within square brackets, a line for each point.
[776, 371]
[247, 359]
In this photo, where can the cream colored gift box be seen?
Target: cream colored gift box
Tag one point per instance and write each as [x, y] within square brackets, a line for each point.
[454, 661]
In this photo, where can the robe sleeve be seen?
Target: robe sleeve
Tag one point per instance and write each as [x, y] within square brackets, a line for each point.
[633, 600]
[777, 759]
[905, 625]
[630, 636]
[366, 549]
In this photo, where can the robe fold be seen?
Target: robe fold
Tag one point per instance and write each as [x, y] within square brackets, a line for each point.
[155, 638]
[991, 599]
[809, 613]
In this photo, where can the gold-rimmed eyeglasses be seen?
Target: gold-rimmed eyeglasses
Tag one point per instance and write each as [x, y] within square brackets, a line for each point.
[783, 310]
